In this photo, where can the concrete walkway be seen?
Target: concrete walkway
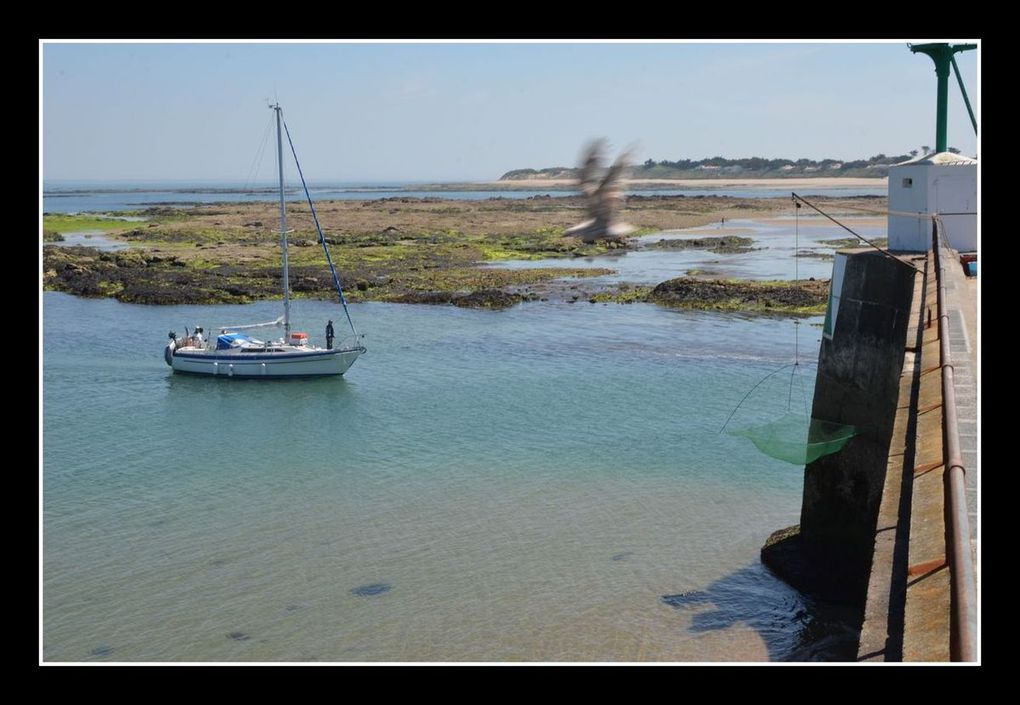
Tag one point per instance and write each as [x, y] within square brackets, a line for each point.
[962, 292]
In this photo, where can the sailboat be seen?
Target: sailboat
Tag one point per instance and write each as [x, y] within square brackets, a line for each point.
[237, 354]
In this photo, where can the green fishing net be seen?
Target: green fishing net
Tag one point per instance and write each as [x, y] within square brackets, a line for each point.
[797, 439]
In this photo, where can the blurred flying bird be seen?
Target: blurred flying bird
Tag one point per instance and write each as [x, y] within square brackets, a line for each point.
[603, 191]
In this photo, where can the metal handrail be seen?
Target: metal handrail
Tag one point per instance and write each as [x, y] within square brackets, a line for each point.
[963, 587]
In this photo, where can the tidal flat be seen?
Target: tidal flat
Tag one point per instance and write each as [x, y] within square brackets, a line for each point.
[409, 250]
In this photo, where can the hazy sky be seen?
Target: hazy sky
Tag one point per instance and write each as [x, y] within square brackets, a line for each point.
[377, 112]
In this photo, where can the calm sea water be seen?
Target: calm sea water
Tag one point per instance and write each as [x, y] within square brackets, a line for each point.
[542, 483]
[545, 483]
[71, 197]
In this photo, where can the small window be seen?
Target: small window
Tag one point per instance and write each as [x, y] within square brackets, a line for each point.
[908, 182]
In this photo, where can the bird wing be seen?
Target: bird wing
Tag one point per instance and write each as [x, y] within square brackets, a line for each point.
[612, 186]
[590, 166]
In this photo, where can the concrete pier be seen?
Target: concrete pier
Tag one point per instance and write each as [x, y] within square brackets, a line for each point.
[873, 529]
[857, 384]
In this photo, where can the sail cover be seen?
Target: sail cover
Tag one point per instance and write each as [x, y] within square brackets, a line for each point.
[231, 340]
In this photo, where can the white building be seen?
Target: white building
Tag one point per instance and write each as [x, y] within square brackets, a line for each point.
[943, 183]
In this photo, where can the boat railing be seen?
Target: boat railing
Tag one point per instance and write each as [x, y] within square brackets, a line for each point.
[349, 342]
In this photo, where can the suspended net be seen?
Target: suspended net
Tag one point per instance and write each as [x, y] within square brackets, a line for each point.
[797, 439]
[774, 415]
[787, 433]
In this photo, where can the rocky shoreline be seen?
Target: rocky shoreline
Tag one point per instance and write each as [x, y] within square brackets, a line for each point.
[803, 296]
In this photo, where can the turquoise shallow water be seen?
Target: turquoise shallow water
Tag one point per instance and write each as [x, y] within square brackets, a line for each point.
[527, 484]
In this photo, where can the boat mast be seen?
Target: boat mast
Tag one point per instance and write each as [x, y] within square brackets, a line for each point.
[283, 226]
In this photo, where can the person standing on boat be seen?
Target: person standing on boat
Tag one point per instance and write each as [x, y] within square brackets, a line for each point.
[199, 341]
[329, 335]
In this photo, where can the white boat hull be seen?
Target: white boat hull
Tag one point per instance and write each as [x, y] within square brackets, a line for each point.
[224, 363]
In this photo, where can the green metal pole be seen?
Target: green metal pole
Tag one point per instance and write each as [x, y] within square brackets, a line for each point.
[942, 55]
[941, 107]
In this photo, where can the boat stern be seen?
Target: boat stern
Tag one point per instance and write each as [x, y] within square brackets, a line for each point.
[168, 351]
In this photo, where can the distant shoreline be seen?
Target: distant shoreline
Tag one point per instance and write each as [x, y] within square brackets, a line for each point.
[567, 185]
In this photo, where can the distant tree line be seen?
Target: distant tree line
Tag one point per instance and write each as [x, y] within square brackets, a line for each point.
[877, 165]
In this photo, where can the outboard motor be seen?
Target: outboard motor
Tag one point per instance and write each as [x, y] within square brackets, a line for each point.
[168, 352]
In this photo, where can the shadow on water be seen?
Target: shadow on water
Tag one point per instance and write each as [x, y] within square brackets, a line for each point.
[793, 626]
[260, 408]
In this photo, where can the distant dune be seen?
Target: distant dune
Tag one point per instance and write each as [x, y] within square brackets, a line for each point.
[793, 181]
